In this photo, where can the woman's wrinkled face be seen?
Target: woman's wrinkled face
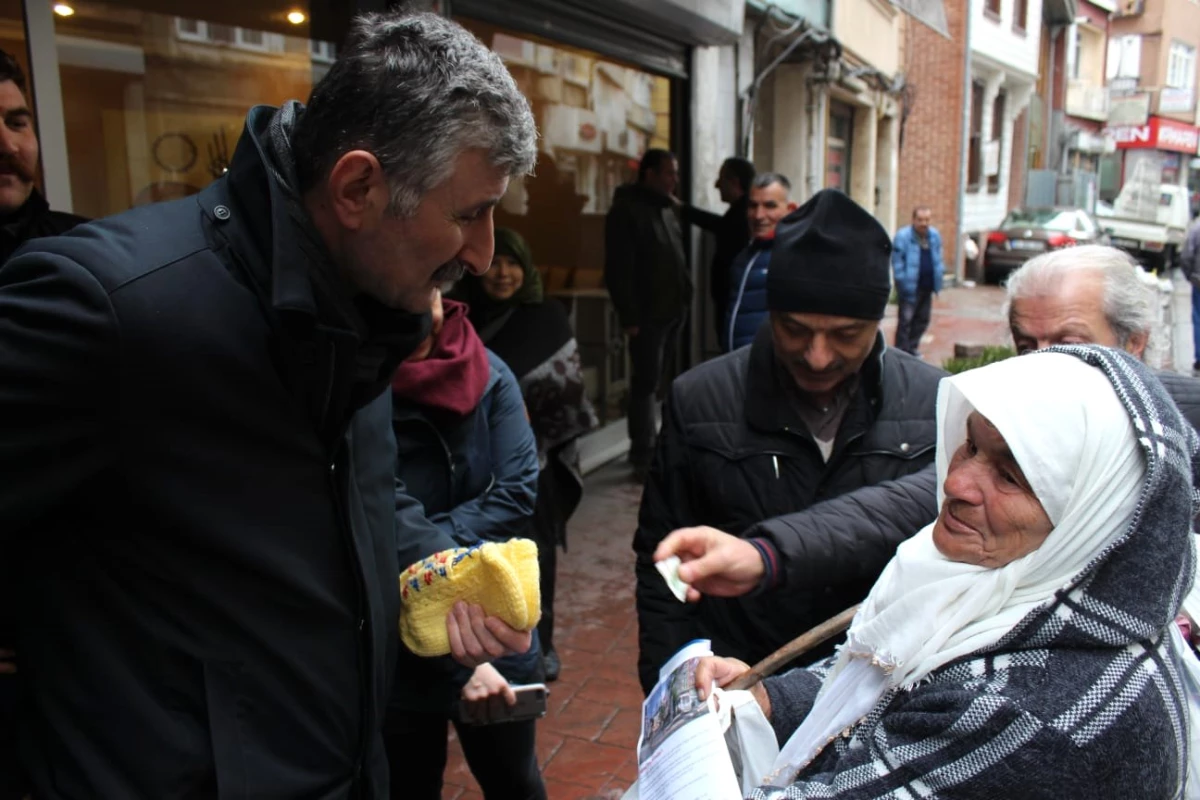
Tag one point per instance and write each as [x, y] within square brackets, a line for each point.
[504, 278]
[991, 516]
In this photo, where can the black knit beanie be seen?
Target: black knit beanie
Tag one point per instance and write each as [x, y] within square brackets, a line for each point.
[830, 257]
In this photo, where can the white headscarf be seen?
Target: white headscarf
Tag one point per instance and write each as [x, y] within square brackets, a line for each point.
[1075, 443]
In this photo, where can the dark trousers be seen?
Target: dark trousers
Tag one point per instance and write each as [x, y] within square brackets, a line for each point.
[649, 352]
[913, 321]
[501, 757]
[548, 534]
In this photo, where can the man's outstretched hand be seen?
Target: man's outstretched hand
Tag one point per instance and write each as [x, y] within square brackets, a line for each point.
[714, 562]
[477, 639]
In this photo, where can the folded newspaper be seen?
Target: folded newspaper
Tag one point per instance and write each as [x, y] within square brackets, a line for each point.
[683, 752]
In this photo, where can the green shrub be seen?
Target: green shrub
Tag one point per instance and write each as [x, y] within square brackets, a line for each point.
[990, 356]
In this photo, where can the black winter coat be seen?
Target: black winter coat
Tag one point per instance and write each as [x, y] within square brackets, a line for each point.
[33, 220]
[645, 268]
[732, 452]
[197, 483]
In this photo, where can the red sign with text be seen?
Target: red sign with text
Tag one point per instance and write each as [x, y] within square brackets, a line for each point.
[1158, 134]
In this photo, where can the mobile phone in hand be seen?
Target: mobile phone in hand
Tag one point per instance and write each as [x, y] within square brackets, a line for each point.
[531, 704]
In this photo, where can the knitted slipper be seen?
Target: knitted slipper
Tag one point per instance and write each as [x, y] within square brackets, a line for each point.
[502, 577]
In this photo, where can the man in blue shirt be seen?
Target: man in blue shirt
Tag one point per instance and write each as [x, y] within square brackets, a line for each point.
[918, 267]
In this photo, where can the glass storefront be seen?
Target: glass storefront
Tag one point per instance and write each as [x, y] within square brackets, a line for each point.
[596, 117]
[838, 146]
[153, 103]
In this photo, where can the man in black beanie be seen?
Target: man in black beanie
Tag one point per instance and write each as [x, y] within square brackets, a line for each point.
[817, 407]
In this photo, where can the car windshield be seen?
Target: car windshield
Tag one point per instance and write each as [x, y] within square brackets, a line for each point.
[1047, 219]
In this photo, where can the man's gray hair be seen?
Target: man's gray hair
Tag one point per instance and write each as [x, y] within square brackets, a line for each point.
[1128, 300]
[764, 179]
[416, 90]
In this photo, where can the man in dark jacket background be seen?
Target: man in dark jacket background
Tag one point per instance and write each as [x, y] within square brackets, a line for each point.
[730, 230]
[816, 407]
[647, 276]
[24, 212]
[197, 482]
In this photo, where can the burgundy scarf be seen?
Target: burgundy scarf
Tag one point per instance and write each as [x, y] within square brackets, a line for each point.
[455, 374]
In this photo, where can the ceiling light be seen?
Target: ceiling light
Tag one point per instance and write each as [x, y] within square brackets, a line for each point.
[296, 17]
[63, 10]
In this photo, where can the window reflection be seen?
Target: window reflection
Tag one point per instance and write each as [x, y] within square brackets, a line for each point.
[154, 103]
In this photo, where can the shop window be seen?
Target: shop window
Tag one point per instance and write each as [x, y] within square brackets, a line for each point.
[596, 116]
[1020, 14]
[975, 153]
[838, 146]
[996, 145]
[992, 7]
[153, 104]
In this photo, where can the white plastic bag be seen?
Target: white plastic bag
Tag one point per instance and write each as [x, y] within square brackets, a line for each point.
[749, 737]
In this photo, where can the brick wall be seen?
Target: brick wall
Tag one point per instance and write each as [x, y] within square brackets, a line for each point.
[1018, 170]
[932, 149]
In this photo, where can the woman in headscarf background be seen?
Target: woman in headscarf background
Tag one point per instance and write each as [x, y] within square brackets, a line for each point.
[534, 338]
[1022, 645]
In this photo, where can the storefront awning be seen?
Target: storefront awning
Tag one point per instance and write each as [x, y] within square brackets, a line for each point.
[1059, 12]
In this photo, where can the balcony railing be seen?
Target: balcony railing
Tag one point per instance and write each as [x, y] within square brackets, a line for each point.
[1087, 100]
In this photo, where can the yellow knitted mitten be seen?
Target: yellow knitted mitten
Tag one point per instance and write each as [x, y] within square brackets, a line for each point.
[502, 577]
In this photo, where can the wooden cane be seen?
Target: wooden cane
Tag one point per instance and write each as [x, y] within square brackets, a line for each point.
[794, 649]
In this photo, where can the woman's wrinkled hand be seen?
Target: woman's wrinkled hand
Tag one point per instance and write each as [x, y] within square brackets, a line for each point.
[487, 682]
[722, 672]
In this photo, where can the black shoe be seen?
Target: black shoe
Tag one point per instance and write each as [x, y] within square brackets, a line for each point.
[551, 665]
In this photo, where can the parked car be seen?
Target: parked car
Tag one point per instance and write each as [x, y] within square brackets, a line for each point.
[1150, 226]
[1027, 232]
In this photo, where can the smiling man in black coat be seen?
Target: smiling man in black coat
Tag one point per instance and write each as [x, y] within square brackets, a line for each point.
[196, 455]
[817, 407]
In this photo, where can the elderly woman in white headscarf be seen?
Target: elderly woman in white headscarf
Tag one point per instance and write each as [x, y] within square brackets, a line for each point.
[1022, 645]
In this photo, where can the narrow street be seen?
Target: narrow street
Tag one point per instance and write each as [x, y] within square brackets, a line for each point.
[588, 740]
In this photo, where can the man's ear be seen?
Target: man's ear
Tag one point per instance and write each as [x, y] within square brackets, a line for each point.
[1136, 346]
[357, 189]
[792, 206]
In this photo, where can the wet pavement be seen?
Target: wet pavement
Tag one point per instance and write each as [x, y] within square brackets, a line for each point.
[587, 742]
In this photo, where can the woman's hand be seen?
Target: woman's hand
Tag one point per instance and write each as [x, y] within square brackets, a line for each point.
[487, 682]
[723, 671]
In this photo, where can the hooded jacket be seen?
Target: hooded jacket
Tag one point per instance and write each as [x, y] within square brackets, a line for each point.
[645, 268]
[199, 491]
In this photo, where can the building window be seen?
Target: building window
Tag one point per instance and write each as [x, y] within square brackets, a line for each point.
[992, 7]
[1124, 57]
[201, 32]
[996, 145]
[975, 154]
[1075, 54]
[1020, 14]
[322, 52]
[838, 144]
[1181, 66]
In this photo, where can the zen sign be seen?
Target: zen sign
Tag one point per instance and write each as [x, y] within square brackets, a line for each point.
[1157, 134]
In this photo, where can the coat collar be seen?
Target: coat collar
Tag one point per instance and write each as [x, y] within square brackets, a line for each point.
[768, 408]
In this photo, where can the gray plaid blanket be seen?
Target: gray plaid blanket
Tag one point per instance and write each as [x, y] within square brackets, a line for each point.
[1081, 700]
